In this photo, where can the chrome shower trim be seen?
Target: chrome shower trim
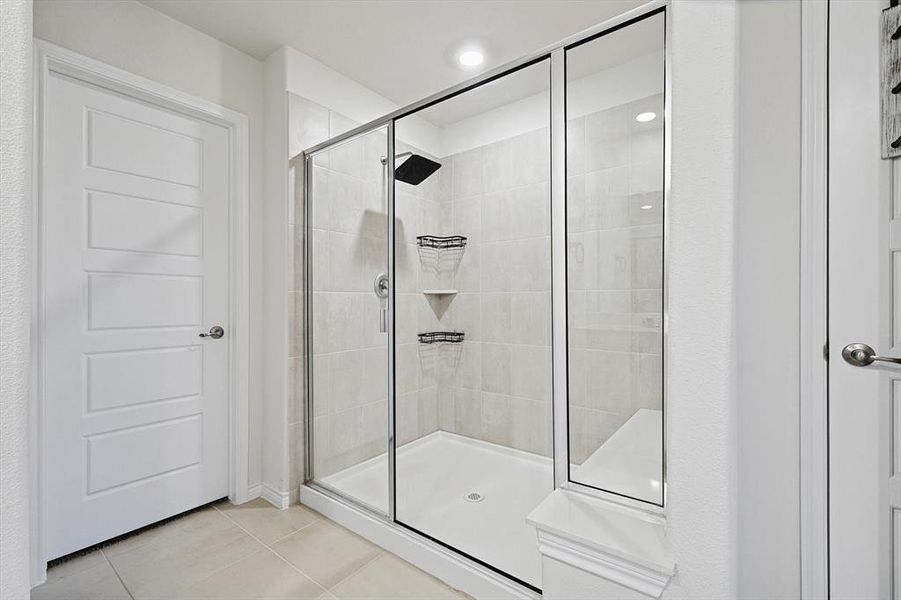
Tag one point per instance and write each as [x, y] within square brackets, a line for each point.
[391, 164]
[648, 507]
[384, 159]
[307, 166]
[561, 446]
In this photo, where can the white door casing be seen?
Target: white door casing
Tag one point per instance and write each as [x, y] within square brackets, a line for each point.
[864, 306]
[142, 243]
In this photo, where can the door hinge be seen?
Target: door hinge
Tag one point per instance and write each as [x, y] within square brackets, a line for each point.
[826, 351]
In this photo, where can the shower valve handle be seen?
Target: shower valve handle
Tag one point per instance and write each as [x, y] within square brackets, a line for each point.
[380, 287]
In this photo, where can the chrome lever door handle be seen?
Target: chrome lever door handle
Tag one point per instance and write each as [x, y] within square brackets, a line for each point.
[216, 332]
[861, 355]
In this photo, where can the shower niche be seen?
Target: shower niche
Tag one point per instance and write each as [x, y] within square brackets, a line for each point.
[436, 387]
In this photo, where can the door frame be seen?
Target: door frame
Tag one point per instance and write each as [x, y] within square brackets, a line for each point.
[814, 290]
[50, 58]
[813, 334]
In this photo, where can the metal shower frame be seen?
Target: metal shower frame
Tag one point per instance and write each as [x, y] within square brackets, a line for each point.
[555, 54]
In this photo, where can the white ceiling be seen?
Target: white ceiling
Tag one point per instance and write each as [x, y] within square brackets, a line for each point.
[404, 50]
[616, 48]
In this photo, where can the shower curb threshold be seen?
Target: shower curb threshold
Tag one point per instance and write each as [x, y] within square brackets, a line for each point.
[617, 544]
[451, 568]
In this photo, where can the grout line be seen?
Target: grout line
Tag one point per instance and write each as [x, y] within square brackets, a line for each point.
[381, 552]
[284, 537]
[222, 568]
[175, 522]
[269, 548]
[119, 577]
[293, 566]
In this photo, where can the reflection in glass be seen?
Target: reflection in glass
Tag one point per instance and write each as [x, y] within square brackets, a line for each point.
[348, 220]
[473, 261]
[615, 204]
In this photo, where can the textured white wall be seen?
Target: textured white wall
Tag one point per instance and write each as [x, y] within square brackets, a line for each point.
[310, 79]
[15, 294]
[700, 405]
[275, 322]
[768, 237]
[138, 39]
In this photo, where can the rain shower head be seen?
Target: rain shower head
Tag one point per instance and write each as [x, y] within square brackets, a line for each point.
[415, 169]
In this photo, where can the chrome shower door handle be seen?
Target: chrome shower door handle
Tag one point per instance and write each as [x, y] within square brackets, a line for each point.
[862, 355]
[216, 332]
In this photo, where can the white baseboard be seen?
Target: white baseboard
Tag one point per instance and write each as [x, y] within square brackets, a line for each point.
[454, 569]
[277, 499]
[254, 491]
[280, 500]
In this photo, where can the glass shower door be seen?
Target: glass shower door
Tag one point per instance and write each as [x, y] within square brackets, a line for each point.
[347, 266]
[473, 356]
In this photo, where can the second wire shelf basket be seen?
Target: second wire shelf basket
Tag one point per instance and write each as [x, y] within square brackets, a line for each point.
[441, 242]
[439, 337]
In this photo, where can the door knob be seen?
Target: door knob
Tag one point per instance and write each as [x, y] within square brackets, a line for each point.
[861, 355]
[216, 332]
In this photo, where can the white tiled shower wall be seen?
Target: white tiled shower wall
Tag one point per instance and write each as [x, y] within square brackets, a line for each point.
[500, 387]
[496, 386]
[500, 391]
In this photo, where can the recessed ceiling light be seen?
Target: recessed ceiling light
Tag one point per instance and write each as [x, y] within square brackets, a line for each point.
[471, 58]
[645, 117]
[647, 207]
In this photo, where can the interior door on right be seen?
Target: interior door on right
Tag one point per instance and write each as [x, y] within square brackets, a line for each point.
[864, 308]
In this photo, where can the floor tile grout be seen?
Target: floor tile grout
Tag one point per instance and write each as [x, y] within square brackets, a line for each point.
[324, 592]
[299, 529]
[381, 552]
[272, 550]
[231, 564]
[176, 522]
[316, 519]
[119, 577]
[295, 567]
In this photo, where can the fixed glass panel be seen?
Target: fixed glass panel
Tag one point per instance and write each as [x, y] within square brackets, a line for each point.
[615, 207]
[348, 278]
[473, 356]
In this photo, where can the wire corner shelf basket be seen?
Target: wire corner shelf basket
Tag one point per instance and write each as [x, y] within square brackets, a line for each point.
[441, 337]
[441, 242]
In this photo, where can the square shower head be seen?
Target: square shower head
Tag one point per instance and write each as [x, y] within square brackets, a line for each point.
[415, 169]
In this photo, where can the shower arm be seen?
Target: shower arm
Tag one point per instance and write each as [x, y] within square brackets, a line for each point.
[384, 159]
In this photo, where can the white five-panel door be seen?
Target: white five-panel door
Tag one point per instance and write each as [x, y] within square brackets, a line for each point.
[135, 266]
[864, 307]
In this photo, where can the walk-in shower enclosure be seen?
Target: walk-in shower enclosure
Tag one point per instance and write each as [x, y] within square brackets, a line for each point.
[483, 295]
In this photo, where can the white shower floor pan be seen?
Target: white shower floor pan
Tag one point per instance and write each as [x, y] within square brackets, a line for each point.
[436, 473]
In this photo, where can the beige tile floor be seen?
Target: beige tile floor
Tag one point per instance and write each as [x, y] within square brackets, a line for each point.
[247, 552]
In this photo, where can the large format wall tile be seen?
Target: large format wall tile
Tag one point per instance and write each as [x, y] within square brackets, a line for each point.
[497, 385]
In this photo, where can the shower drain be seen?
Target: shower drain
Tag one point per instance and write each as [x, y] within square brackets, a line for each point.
[474, 497]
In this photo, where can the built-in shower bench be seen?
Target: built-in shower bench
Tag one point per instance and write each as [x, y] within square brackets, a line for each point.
[595, 548]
